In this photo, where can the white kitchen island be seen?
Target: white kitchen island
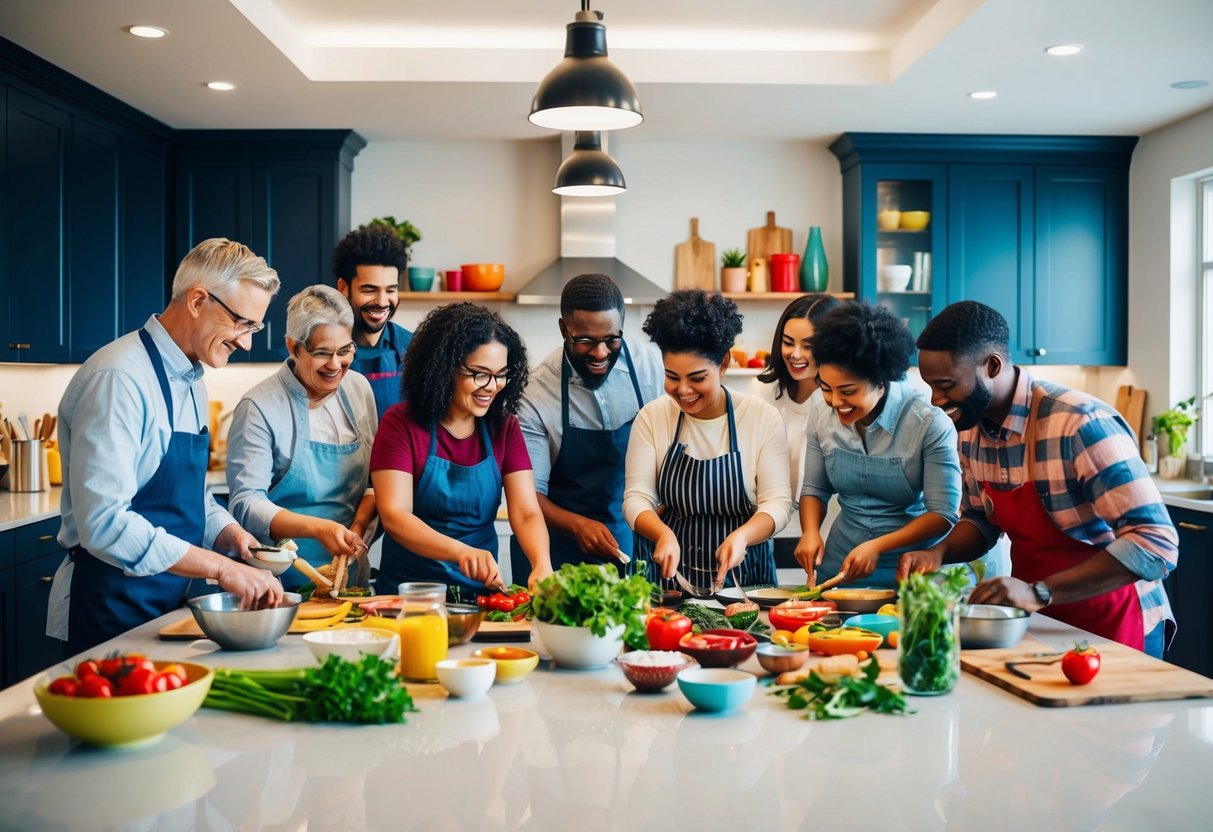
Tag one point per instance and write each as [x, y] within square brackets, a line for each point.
[579, 750]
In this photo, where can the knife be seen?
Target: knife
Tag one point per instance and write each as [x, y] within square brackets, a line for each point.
[1047, 658]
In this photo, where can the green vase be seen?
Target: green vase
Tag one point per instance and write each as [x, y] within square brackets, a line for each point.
[814, 270]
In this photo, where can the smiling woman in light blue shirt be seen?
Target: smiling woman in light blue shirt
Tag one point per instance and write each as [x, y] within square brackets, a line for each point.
[878, 443]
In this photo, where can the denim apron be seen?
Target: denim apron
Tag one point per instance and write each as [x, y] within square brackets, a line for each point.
[587, 479]
[106, 602]
[459, 501]
[324, 480]
[381, 365]
[705, 502]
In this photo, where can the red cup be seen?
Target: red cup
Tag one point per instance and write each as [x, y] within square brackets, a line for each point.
[454, 280]
[784, 269]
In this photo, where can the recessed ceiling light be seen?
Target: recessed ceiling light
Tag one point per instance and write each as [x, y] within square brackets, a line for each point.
[222, 86]
[144, 31]
[1063, 49]
[1190, 85]
[981, 95]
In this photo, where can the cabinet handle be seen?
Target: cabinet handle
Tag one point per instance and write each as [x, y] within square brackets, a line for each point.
[1192, 527]
[42, 538]
[13, 346]
[1038, 352]
[46, 579]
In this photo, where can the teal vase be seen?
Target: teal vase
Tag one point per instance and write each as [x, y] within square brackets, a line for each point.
[814, 270]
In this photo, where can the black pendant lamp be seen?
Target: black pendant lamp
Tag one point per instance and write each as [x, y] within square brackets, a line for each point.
[586, 91]
[588, 170]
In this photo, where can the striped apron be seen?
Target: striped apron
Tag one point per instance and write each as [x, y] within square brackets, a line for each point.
[705, 501]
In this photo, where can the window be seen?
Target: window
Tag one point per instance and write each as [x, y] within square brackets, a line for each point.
[1204, 216]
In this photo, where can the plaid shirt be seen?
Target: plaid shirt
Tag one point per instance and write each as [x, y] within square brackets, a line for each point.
[1090, 479]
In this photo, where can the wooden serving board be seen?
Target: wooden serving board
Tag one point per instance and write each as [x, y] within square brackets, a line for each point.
[1124, 676]
[767, 240]
[1131, 405]
[503, 631]
[187, 629]
[695, 262]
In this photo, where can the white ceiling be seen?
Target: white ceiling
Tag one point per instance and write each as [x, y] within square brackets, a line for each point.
[709, 69]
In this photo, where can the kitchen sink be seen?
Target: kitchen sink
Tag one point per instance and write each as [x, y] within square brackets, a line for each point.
[1205, 493]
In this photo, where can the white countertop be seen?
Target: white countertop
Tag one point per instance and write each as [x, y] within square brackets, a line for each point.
[579, 750]
[19, 508]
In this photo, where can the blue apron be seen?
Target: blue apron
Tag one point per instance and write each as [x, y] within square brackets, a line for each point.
[587, 479]
[324, 480]
[105, 602]
[459, 501]
[381, 365]
[705, 502]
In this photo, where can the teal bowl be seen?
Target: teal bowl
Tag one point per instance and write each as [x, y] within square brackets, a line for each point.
[716, 689]
[877, 623]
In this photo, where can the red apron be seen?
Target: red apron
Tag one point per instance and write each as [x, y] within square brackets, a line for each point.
[1039, 550]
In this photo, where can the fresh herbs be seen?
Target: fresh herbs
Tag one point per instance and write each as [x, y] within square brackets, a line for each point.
[928, 659]
[594, 596]
[845, 696]
[367, 692]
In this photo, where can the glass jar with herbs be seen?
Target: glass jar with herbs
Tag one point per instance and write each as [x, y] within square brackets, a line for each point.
[928, 652]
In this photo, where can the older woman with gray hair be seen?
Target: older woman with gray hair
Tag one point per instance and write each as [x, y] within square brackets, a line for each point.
[299, 447]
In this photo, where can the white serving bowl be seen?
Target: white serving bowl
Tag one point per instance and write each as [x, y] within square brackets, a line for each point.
[351, 644]
[466, 678]
[893, 277]
[577, 647]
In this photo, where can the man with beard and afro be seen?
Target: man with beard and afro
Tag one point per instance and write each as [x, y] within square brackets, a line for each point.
[368, 264]
[576, 417]
[1057, 471]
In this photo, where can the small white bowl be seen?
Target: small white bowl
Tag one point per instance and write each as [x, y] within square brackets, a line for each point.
[466, 678]
[350, 645]
[894, 277]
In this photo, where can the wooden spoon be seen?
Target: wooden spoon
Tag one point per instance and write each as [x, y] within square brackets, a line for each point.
[815, 593]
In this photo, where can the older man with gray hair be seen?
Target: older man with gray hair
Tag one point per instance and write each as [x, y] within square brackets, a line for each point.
[133, 429]
[298, 462]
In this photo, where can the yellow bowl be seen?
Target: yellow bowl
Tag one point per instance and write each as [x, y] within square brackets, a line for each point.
[915, 220]
[513, 663]
[126, 721]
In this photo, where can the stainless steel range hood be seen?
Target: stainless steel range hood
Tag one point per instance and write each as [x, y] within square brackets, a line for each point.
[587, 244]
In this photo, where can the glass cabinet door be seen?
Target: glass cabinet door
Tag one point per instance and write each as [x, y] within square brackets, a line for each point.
[906, 244]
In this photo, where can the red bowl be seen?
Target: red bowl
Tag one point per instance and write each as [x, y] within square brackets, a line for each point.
[717, 656]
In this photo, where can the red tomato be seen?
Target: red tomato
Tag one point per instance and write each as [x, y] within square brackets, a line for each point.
[137, 682]
[506, 604]
[87, 668]
[522, 597]
[177, 670]
[482, 601]
[96, 687]
[65, 686]
[170, 680]
[666, 629]
[110, 666]
[1081, 664]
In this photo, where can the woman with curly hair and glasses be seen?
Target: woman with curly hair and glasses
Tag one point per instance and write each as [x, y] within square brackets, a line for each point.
[442, 456]
[707, 470]
[878, 442]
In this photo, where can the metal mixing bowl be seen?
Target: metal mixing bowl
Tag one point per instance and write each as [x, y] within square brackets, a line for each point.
[989, 625]
[234, 627]
[462, 621]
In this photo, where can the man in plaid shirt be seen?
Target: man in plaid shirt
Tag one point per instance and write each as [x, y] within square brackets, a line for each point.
[1057, 471]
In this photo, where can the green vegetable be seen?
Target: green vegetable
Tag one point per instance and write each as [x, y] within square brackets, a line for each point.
[367, 691]
[710, 618]
[1175, 423]
[928, 656]
[593, 595]
[498, 615]
[849, 696]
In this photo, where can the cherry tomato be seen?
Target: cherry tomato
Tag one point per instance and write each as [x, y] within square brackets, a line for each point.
[137, 682]
[521, 598]
[666, 629]
[110, 666]
[482, 601]
[177, 670]
[96, 687]
[87, 668]
[169, 680]
[1081, 664]
[506, 604]
[65, 686]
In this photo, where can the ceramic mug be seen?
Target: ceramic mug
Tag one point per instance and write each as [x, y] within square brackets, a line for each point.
[454, 280]
[421, 279]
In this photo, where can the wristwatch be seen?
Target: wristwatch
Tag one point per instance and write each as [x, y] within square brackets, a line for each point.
[1043, 594]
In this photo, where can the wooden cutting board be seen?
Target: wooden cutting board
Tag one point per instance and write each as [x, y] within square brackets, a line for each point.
[187, 629]
[1125, 676]
[695, 262]
[503, 631]
[767, 240]
[1131, 405]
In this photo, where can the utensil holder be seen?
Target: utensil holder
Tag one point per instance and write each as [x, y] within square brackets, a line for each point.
[27, 470]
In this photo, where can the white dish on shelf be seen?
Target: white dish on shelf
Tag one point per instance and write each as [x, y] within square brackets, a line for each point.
[894, 277]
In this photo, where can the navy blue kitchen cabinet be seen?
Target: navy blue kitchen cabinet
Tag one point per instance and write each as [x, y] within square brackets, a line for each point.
[1034, 226]
[1188, 588]
[92, 233]
[283, 193]
[8, 611]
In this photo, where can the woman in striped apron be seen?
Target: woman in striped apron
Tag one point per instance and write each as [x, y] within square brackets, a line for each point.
[707, 470]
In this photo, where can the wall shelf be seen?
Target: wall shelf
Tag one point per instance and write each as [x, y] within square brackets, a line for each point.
[504, 297]
[788, 296]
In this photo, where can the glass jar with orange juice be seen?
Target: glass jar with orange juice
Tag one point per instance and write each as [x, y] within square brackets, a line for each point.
[423, 630]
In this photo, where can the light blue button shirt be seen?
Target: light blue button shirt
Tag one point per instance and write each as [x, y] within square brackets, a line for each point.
[113, 432]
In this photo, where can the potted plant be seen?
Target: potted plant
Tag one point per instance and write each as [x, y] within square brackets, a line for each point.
[1174, 424]
[405, 230]
[585, 612]
[732, 271]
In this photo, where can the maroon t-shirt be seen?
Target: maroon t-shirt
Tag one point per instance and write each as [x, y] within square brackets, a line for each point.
[401, 444]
